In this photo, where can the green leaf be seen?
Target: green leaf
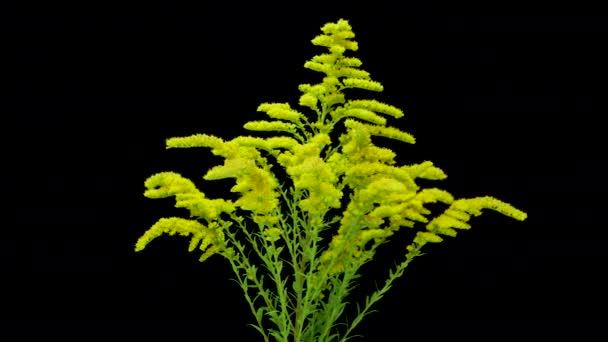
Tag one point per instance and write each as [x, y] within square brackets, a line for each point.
[260, 313]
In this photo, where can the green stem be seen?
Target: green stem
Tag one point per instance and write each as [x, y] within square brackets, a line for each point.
[298, 265]
[241, 262]
[378, 294]
[336, 303]
[281, 321]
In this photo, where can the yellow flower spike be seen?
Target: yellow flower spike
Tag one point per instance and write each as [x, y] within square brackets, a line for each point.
[209, 252]
[302, 152]
[338, 49]
[207, 209]
[418, 205]
[255, 142]
[460, 210]
[336, 253]
[344, 34]
[338, 163]
[443, 225]
[360, 138]
[387, 132]
[423, 237]
[320, 90]
[323, 40]
[330, 194]
[337, 43]
[256, 185]
[432, 195]
[312, 165]
[258, 202]
[320, 199]
[231, 168]
[270, 126]
[315, 176]
[375, 234]
[174, 225]
[346, 44]
[343, 25]
[398, 221]
[361, 173]
[308, 100]
[195, 241]
[325, 58]
[380, 154]
[281, 111]
[333, 99]
[364, 114]
[171, 226]
[375, 106]
[352, 62]
[286, 158]
[474, 206]
[363, 84]
[281, 142]
[267, 144]
[368, 154]
[197, 140]
[340, 26]
[331, 82]
[305, 88]
[377, 190]
[351, 73]
[272, 234]
[457, 214]
[242, 185]
[324, 68]
[371, 221]
[425, 170]
[414, 215]
[218, 147]
[386, 210]
[168, 184]
[266, 219]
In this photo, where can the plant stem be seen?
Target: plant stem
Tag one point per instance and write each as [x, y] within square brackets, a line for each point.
[378, 294]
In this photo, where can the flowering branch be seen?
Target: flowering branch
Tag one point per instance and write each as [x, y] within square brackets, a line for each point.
[283, 223]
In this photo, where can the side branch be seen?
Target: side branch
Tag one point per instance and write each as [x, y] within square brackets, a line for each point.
[394, 274]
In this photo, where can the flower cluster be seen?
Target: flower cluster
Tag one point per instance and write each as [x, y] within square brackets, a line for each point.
[324, 171]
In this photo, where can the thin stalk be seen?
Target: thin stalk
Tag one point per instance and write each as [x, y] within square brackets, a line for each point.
[378, 294]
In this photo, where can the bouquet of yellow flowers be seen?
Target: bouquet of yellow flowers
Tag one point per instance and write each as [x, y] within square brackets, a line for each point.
[337, 185]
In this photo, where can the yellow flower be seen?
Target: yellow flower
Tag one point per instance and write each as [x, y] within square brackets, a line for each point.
[168, 184]
[351, 73]
[363, 114]
[379, 191]
[387, 132]
[425, 170]
[350, 61]
[324, 68]
[281, 111]
[197, 140]
[272, 234]
[270, 126]
[308, 100]
[325, 58]
[423, 237]
[210, 238]
[363, 84]
[375, 106]
[232, 168]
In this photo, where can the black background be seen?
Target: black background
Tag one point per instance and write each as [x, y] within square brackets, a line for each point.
[508, 101]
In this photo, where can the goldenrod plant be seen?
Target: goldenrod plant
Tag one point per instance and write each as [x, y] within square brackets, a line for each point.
[297, 239]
